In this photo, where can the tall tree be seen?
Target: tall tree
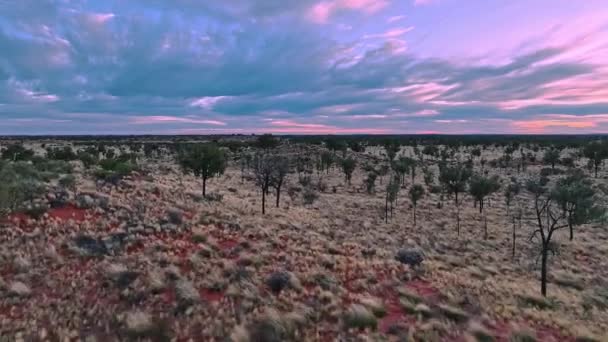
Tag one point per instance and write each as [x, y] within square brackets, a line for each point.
[263, 169]
[510, 192]
[348, 167]
[596, 152]
[454, 179]
[575, 195]
[391, 148]
[281, 169]
[481, 187]
[416, 192]
[267, 142]
[392, 190]
[549, 219]
[551, 157]
[203, 160]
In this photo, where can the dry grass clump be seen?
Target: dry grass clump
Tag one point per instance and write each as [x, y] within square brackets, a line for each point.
[359, 317]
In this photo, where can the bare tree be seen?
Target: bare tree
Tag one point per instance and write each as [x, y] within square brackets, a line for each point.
[263, 169]
[277, 178]
[549, 220]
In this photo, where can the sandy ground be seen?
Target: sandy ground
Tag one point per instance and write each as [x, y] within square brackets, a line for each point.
[207, 277]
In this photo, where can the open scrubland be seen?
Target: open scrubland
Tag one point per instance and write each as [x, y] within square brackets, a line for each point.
[371, 239]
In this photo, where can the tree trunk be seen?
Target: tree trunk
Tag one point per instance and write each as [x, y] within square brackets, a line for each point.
[278, 195]
[457, 219]
[543, 269]
[570, 225]
[204, 186]
[513, 246]
[264, 201]
[485, 226]
[414, 216]
[596, 167]
[386, 210]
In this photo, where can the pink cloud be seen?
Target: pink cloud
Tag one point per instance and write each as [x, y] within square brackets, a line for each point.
[422, 2]
[539, 126]
[160, 119]
[393, 33]
[395, 19]
[101, 18]
[293, 127]
[451, 121]
[322, 11]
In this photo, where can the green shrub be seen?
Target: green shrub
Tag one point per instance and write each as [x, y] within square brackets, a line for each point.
[67, 182]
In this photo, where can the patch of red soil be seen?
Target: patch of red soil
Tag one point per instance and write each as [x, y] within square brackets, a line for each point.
[424, 289]
[11, 311]
[227, 244]
[68, 212]
[135, 247]
[502, 332]
[211, 296]
[394, 315]
[169, 296]
[545, 333]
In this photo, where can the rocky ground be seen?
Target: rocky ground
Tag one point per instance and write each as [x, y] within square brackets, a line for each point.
[152, 259]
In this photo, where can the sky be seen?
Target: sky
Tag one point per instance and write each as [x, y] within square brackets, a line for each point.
[303, 66]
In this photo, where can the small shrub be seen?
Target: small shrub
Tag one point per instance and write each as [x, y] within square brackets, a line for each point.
[214, 197]
[67, 182]
[278, 281]
[359, 317]
[309, 196]
[410, 257]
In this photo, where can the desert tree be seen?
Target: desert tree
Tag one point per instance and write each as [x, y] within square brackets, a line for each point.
[203, 160]
[356, 146]
[510, 192]
[454, 179]
[263, 170]
[596, 152]
[549, 219]
[476, 152]
[277, 178]
[429, 176]
[335, 145]
[480, 188]
[392, 190]
[391, 147]
[370, 182]
[430, 150]
[575, 196]
[401, 168]
[348, 167]
[412, 164]
[383, 171]
[267, 142]
[551, 157]
[327, 159]
[416, 192]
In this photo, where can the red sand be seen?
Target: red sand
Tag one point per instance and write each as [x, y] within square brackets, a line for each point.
[211, 296]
